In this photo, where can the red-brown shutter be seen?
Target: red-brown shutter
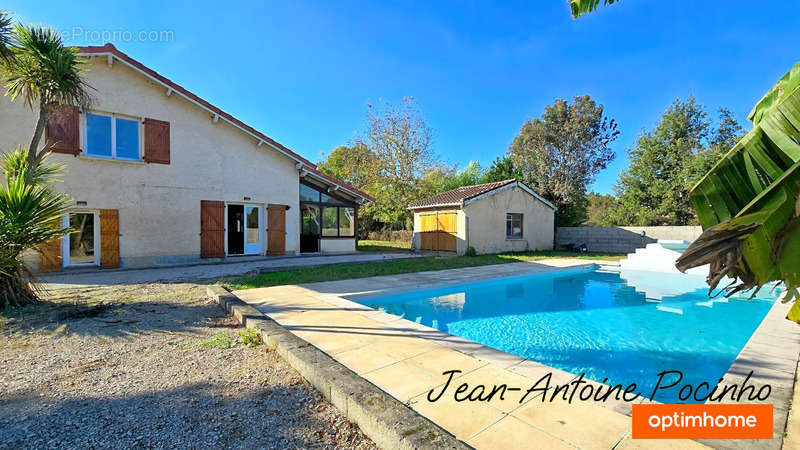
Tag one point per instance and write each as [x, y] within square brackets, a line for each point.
[156, 141]
[109, 238]
[212, 229]
[276, 230]
[62, 129]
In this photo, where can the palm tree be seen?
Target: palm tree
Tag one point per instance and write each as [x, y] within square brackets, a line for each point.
[5, 36]
[581, 7]
[43, 70]
[30, 215]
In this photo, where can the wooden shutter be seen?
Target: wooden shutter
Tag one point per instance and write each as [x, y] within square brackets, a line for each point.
[109, 238]
[62, 129]
[50, 256]
[276, 229]
[212, 229]
[156, 141]
[428, 231]
[446, 222]
[439, 230]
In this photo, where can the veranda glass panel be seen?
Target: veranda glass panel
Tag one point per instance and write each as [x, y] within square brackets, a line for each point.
[308, 194]
[329, 227]
[347, 222]
[310, 215]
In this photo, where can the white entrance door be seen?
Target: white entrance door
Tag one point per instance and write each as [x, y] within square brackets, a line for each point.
[252, 231]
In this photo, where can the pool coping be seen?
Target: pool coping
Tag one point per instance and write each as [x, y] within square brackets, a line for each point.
[389, 423]
[513, 363]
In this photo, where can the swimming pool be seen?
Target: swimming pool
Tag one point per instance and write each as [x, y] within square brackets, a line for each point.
[624, 326]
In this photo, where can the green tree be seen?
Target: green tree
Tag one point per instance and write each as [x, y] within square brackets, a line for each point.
[403, 145]
[600, 209]
[654, 190]
[41, 70]
[469, 175]
[502, 168]
[355, 165]
[728, 132]
[560, 153]
[667, 161]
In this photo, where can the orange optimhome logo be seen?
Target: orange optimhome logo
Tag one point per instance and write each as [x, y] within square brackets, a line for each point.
[702, 421]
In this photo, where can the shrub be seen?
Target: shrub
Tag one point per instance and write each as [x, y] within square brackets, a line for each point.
[219, 340]
[250, 337]
[471, 252]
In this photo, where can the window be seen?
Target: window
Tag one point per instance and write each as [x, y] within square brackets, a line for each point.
[112, 137]
[513, 226]
[337, 217]
[308, 194]
[253, 229]
[329, 218]
[347, 222]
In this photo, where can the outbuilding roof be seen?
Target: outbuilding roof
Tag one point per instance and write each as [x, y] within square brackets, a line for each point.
[462, 195]
[306, 167]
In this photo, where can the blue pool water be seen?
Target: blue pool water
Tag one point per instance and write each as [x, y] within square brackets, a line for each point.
[626, 327]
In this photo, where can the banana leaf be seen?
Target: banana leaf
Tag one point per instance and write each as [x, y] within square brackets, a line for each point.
[749, 202]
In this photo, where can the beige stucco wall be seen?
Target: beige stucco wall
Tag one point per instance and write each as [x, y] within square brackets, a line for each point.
[159, 205]
[337, 245]
[486, 222]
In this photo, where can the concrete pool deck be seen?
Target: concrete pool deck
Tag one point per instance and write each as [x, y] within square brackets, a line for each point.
[406, 360]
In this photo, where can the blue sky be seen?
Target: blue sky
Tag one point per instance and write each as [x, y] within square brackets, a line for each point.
[303, 72]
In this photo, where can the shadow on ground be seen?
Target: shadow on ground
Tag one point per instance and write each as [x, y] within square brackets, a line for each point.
[195, 416]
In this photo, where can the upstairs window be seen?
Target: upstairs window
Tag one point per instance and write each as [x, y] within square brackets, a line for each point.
[513, 226]
[112, 137]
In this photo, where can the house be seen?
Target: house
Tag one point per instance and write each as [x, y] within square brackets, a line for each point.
[160, 176]
[504, 216]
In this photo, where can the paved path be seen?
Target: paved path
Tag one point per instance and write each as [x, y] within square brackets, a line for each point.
[205, 271]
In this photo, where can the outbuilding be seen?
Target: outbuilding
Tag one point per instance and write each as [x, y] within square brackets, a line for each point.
[497, 217]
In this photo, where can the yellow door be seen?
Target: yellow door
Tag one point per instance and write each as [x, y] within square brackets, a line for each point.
[438, 230]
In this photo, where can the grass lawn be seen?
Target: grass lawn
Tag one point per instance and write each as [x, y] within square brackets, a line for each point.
[383, 246]
[362, 270]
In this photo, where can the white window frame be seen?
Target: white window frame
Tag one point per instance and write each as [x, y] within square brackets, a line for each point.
[65, 241]
[114, 117]
[262, 235]
[521, 227]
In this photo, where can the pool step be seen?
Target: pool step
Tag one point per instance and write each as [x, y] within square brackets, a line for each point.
[659, 257]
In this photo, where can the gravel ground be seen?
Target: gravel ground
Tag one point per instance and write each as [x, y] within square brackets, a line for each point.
[126, 367]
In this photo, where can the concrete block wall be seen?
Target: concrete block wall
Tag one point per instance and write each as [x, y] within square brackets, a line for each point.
[622, 239]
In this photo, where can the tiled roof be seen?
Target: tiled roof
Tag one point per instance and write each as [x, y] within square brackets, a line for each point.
[458, 195]
[306, 164]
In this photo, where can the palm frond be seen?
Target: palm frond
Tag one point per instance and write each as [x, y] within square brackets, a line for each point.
[6, 43]
[43, 69]
[749, 202]
[15, 165]
[581, 7]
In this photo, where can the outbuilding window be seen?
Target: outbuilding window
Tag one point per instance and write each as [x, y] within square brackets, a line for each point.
[513, 226]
